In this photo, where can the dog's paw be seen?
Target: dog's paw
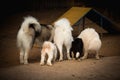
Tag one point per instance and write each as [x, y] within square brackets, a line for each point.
[21, 62]
[25, 62]
[60, 60]
[49, 64]
[82, 58]
[79, 60]
[97, 58]
[73, 59]
[41, 64]
[69, 58]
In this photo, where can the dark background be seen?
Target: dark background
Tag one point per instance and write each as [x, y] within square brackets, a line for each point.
[11, 7]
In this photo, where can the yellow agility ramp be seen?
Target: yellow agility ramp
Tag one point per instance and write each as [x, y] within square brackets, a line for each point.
[75, 14]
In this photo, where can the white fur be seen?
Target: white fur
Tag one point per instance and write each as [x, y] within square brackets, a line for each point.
[28, 20]
[77, 54]
[49, 49]
[63, 36]
[91, 41]
[25, 37]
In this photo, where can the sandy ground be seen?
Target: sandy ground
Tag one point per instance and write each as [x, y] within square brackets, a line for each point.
[108, 67]
[90, 69]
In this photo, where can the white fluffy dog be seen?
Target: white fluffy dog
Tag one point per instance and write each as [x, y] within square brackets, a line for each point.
[63, 36]
[26, 36]
[49, 49]
[91, 41]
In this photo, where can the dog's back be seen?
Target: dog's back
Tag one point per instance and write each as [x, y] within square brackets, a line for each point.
[63, 31]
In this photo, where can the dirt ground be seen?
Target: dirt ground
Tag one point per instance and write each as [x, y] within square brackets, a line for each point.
[108, 67]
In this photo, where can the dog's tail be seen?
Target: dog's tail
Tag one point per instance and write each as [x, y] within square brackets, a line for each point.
[52, 32]
[30, 22]
[64, 23]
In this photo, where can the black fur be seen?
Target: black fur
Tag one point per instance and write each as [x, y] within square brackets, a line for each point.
[32, 26]
[77, 46]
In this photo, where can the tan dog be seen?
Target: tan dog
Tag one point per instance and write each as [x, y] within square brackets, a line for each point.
[49, 49]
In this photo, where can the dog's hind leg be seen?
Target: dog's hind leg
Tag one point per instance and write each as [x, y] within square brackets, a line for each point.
[68, 54]
[60, 51]
[85, 55]
[97, 55]
[54, 55]
[26, 56]
[21, 56]
[42, 58]
[68, 51]
[50, 57]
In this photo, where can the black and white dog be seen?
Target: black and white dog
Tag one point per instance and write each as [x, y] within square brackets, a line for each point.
[76, 50]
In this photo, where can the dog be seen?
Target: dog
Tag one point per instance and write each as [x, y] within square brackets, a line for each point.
[46, 34]
[76, 50]
[63, 36]
[49, 49]
[91, 41]
[26, 36]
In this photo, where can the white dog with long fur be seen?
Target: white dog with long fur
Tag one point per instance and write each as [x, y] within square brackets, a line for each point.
[91, 41]
[63, 36]
[26, 36]
[49, 49]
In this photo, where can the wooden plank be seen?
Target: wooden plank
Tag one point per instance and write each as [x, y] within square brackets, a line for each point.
[75, 14]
